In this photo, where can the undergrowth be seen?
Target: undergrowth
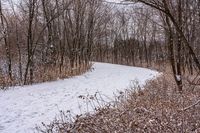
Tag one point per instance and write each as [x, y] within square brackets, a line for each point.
[158, 108]
[44, 74]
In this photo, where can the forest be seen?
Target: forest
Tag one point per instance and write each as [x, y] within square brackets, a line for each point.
[47, 40]
[59, 38]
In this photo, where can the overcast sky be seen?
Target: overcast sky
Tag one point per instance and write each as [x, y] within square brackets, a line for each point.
[114, 0]
[6, 4]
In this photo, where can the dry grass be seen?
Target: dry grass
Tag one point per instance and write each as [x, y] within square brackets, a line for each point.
[50, 73]
[158, 108]
[4, 81]
[46, 73]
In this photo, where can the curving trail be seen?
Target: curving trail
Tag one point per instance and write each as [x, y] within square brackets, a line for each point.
[21, 108]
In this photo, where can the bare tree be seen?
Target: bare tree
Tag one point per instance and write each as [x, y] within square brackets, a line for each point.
[4, 24]
[166, 8]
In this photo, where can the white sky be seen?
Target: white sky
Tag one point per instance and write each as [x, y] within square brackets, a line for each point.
[113, 0]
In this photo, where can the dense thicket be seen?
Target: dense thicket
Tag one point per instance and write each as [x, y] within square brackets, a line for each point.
[48, 39]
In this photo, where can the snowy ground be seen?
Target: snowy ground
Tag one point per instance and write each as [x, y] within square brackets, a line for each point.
[21, 108]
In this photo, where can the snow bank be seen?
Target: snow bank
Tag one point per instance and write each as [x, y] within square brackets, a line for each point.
[21, 108]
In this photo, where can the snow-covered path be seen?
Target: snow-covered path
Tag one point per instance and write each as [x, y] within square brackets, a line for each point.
[21, 108]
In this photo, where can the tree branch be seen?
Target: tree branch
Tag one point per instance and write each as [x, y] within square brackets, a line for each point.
[186, 108]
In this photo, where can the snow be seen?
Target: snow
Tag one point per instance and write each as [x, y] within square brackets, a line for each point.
[178, 77]
[22, 108]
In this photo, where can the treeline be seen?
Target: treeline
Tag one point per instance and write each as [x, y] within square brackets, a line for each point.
[158, 32]
[181, 29]
[42, 40]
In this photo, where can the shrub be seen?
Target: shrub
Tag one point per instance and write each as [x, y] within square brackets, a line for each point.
[159, 107]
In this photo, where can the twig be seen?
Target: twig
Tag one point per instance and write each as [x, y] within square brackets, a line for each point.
[186, 108]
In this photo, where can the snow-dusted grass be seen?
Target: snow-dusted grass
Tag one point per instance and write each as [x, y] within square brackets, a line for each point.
[158, 108]
[21, 108]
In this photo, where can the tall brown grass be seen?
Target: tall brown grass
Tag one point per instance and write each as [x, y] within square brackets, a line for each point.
[50, 73]
[46, 73]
